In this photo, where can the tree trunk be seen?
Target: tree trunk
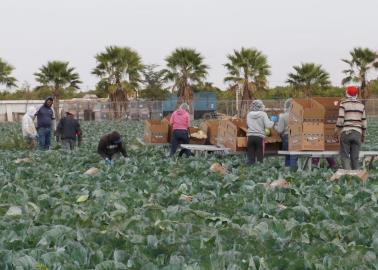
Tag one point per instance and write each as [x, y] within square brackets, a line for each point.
[56, 103]
[119, 102]
[245, 101]
[185, 95]
[364, 91]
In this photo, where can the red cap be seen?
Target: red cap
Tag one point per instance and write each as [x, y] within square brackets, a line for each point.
[352, 91]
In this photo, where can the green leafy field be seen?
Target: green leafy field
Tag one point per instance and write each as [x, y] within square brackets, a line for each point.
[134, 217]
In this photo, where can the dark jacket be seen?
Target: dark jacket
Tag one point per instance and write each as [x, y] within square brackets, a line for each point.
[45, 116]
[68, 128]
[110, 144]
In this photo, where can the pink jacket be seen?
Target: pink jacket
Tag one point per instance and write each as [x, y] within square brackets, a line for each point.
[180, 119]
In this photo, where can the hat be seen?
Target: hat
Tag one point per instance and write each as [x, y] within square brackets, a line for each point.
[257, 105]
[184, 106]
[115, 137]
[287, 104]
[352, 91]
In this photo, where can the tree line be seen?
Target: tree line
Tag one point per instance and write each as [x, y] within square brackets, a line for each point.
[122, 75]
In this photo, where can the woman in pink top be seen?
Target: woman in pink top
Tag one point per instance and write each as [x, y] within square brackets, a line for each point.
[180, 122]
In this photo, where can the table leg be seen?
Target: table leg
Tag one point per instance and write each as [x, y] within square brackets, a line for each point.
[307, 164]
[371, 163]
[300, 164]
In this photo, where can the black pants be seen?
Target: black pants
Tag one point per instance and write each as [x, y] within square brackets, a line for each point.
[180, 136]
[350, 144]
[255, 149]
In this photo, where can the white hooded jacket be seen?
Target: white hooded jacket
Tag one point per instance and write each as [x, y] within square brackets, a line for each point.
[28, 127]
[257, 122]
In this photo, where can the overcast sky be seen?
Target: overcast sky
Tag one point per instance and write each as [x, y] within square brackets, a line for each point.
[287, 31]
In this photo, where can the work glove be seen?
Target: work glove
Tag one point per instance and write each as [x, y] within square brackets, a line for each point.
[127, 160]
[274, 118]
[108, 162]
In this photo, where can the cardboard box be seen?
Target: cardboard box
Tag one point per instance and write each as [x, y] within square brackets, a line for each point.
[165, 121]
[306, 109]
[155, 131]
[295, 137]
[331, 106]
[362, 174]
[241, 142]
[210, 127]
[232, 134]
[313, 136]
[273, 138]
[195, 140]
[306, 125]
[331, 139]
[273, 143]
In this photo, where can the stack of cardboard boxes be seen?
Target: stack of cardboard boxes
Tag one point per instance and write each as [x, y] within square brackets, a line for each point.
[306, 125]
[331, 106]
[312, 124]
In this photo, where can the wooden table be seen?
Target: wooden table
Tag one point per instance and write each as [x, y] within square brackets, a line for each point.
[199, 148]
[308, 155]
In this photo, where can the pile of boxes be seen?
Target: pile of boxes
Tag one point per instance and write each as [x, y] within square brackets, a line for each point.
[331, 106]
[312, 124]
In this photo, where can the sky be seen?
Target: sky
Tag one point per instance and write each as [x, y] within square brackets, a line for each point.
[288, 32]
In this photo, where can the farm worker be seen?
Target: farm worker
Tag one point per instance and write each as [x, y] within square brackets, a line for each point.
[351, 125]
[45, 123]
[68, 129]
[257, 122]
[111, 146]
[282, 128]
[29, 132]
[180, 122]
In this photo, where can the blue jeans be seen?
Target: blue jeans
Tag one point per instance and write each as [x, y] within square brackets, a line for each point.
[180, 136]
[44, 138]
[290, 160]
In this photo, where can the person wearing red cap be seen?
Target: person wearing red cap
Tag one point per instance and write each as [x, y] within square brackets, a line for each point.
[351, 124]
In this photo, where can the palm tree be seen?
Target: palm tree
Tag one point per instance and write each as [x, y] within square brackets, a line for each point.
[153, 83]
[58, 76]
[361, 62]
[118, 68]
[185, 67]
[248, 69]
[307, 77]
[5, 71]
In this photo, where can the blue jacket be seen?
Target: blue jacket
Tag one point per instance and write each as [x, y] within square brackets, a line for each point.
[45, 116]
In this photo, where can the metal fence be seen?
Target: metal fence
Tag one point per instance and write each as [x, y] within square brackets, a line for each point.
[100, 110]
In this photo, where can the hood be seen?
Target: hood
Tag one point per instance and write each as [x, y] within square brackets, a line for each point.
[31, 111]
[287, 105]
[255, 114]
[47, 99]
[114, 137]
[180, 111]
[257, 105]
